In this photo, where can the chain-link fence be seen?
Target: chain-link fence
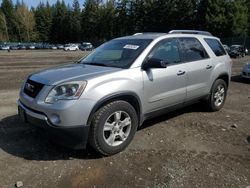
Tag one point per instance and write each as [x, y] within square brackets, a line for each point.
[245, 41]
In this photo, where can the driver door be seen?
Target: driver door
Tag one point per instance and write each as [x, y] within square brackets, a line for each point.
[165, 87]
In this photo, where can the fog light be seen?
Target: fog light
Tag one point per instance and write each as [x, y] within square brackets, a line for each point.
[55, 119]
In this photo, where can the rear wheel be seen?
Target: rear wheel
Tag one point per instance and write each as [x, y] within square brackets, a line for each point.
[217, 96]
[113, 127]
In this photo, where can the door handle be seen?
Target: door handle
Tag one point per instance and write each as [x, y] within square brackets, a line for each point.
[209, 66]
[180, 73]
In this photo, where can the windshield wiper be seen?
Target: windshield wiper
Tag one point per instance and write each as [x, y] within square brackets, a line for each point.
[94, 63]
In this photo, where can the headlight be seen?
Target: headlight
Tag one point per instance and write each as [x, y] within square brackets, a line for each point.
[247, 66]
[66, 91]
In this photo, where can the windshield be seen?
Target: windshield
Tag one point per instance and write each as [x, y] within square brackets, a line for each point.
[117, 53]
[235, 47]
[86, 44]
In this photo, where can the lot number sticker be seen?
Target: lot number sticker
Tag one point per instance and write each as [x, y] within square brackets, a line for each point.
[131, 47]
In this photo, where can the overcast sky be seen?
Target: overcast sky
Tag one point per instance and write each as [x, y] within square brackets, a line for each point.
[34, 3]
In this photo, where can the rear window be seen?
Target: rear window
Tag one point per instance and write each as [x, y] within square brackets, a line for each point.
[216, 46]
[192, 49]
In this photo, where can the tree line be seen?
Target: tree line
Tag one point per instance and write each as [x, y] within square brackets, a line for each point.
[98, 21]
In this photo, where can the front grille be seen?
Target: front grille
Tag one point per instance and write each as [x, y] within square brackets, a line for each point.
[32, 88]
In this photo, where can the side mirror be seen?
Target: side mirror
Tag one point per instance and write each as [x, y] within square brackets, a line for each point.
[154, 63]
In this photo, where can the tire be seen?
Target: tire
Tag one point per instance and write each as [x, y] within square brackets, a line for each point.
[217, 97]
[120, 121]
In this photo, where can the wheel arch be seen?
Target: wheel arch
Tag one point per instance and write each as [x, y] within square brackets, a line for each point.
[225, 77]
[130, 97]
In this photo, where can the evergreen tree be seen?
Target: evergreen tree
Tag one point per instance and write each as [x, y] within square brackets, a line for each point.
[223, 18]
[122, 20]
[100, 20]
[8, 10]
[26, 22]
[76, 23]
[4, 34]
[185, 13]
[240, 18]
[158, 15]
[138, 15]
[90, 18]
[106, 21]
[72, 23]
[248, 13]
[43, 17]
[59, 29]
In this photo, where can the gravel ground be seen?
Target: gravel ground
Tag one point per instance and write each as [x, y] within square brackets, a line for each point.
[186, 148]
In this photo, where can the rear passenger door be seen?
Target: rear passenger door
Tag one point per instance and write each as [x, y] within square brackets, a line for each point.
[198, 65]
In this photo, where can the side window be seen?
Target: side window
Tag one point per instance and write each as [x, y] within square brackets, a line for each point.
[192, 49]
[167, 50]
[216, 46]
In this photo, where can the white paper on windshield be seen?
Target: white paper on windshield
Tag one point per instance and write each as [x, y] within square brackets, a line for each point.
[131, 47]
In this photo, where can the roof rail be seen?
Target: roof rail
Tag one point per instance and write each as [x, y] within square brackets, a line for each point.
[190, 32]
[149, 33]
[137, 34]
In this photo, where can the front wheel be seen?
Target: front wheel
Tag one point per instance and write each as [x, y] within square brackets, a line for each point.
[217, 95]
[113, 127]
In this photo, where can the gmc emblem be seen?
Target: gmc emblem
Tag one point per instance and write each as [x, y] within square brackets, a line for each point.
[29, 87]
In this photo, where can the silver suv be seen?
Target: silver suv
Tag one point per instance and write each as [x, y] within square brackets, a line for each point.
[103, 98]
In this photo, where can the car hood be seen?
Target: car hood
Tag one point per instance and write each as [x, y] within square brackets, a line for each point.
[71, 72]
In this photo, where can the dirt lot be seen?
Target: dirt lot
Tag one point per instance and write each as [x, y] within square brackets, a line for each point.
[187, 148]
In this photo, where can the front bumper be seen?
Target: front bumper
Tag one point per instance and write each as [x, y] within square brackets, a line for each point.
[75, 137]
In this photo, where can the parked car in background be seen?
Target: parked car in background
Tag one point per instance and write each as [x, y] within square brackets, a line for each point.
[39, 46]
[30, 47]
[53, 47]
[103, 98]
[21, 47]
[59, 46]
[237, 51]
[4, 47]
[246, 71]
[226, 47]
[86, 46]
[71, 47]
[14, 47]
[46, 46]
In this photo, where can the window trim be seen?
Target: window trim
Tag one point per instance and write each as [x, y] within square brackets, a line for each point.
[204, 49]
[157, 44]
[205, 39]
[179, 47]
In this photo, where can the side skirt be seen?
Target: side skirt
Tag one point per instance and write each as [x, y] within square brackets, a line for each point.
[166, 110]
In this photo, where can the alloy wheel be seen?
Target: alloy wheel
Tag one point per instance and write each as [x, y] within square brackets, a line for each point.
[117, 128]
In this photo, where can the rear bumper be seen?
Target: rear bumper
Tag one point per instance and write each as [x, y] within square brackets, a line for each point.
[72, 137]
[245, 74]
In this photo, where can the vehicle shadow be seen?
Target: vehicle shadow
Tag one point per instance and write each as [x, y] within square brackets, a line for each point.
[197, 107]
[25, 141]
[248, 139]
[239, 79]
